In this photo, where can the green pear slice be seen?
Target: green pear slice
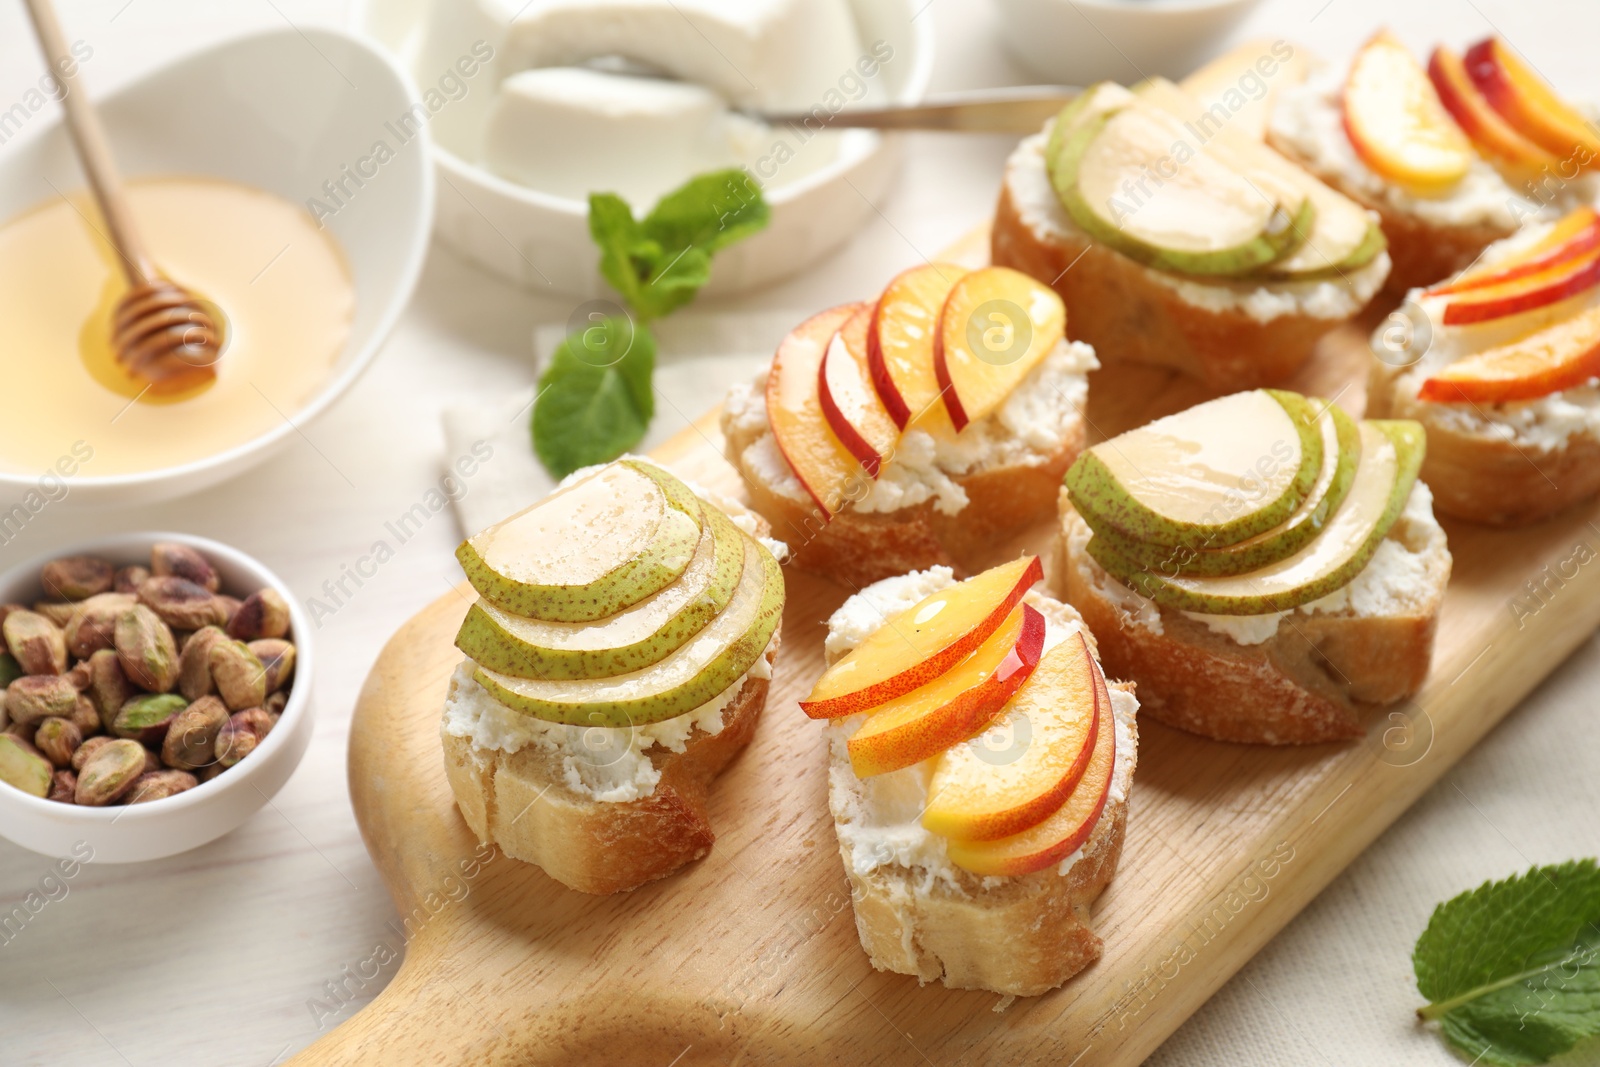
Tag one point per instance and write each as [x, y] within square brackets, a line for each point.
[628, 641]
[1341, 450]
[1207, 477]
[1343, 235]
[590, 550]
[1131, 178]
[1391, 454]
[690, 676]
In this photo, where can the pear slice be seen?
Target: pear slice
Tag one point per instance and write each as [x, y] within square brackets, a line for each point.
[1343, 236]
[1391, 454]
[693, 674]
[589, 550]
[1131, 177]
[1341, 450]
[627, 641]
[1210, 476]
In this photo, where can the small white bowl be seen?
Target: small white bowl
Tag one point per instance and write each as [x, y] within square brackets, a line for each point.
[160, 828]
[1079, 42]
[542, 241]
[281, 110]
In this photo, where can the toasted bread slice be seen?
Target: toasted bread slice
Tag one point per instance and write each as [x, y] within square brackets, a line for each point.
[856, 546]
[918, 914]
[1230, 335]
[1316, 675]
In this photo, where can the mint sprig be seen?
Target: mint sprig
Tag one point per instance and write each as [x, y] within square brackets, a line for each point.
[593, 404]
[1511, 969]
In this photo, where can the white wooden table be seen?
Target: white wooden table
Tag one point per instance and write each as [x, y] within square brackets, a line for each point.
[243, 951]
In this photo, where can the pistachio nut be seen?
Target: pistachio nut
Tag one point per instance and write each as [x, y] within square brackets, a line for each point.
[110, 773]
[152, 762]
[78, 675]
[146, 650]
[236, 740]
[264, 613]
[191, 738]
[22, 766]
[36, 697]
[77, 577]
[7, 609]
[181, 603]
[85, 717]
[37, 643]
[128, 579]
[94, 626]
[24, 730]
[59, 612]
[276, 703]
[194, 666]
[89, 747]
[57, 739]
[109, 687]
[238, 674]
[146, 717]
[158, 785]
[277, 658]
[181, 561]
[230, 606]
[259, 720]
[209, 771]
[63, 787]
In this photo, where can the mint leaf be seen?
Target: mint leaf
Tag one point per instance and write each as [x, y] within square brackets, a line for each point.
[595, 399]
[1512, 969]
[710, 211]
[625, 253]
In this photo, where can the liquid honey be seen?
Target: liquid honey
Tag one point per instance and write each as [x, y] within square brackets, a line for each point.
[281, 283]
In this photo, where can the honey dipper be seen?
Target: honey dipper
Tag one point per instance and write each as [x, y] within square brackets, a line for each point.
[161, 332]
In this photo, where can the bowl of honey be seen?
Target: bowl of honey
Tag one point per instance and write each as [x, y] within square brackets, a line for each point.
[285, 178]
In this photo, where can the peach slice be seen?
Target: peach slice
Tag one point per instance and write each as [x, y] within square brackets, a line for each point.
[1482, 123]
[954, 707]
[977, 793]
[1065, 830]
[1546, 286]
[1395, 121]
[794, 409]
[1527, 102]
[995, 327]
[1576, 234]
[900, 343]
[922, 642]
[1555, 358]
[852, 407]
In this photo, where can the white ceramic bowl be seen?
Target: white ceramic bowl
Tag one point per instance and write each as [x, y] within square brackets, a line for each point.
[1078, 42]
[543, 241]
[128, 834]
[264, 110]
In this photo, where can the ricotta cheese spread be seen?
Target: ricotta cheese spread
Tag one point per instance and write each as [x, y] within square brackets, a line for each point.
[1028, 182]
[878, 819]
[1032, 424]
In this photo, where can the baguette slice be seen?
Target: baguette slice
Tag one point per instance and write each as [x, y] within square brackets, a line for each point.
[1312, 681]
[1018, 936]
[1230, 335]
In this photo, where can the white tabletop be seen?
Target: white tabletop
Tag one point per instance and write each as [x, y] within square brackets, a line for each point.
[222, 956]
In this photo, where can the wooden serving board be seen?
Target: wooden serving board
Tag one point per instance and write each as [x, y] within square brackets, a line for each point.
[750, 956]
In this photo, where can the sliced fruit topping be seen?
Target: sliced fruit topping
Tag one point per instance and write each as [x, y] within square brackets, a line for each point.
[1395, 121]
[979, 793]
[917, 645]
[1341, 450]
[1527, 102]
[1558, 357]
[850, 404]
[1219, 82]
[545, 562]
[1493, 135]
[1209, 476]
[1343, 236]
[900, 344]
[1064, 830]
[697, 672]
[1542, 287]
[995, 327]
[627, 641]
[1575, 235]
[813, 451]
[953, 707]
[1129, 175]
[1391, 454]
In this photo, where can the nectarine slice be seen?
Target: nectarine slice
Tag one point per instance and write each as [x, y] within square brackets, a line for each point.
[1482, 123]
[1528, 102]
[954, 707]
[922, 642]
[1065, 830]
[1558, 357]
[1395, 121]
[995, 327]
[1542, 287]
[979, 792]
[900, 343]
[1575, 234]
[853, 410]
[813, 451]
